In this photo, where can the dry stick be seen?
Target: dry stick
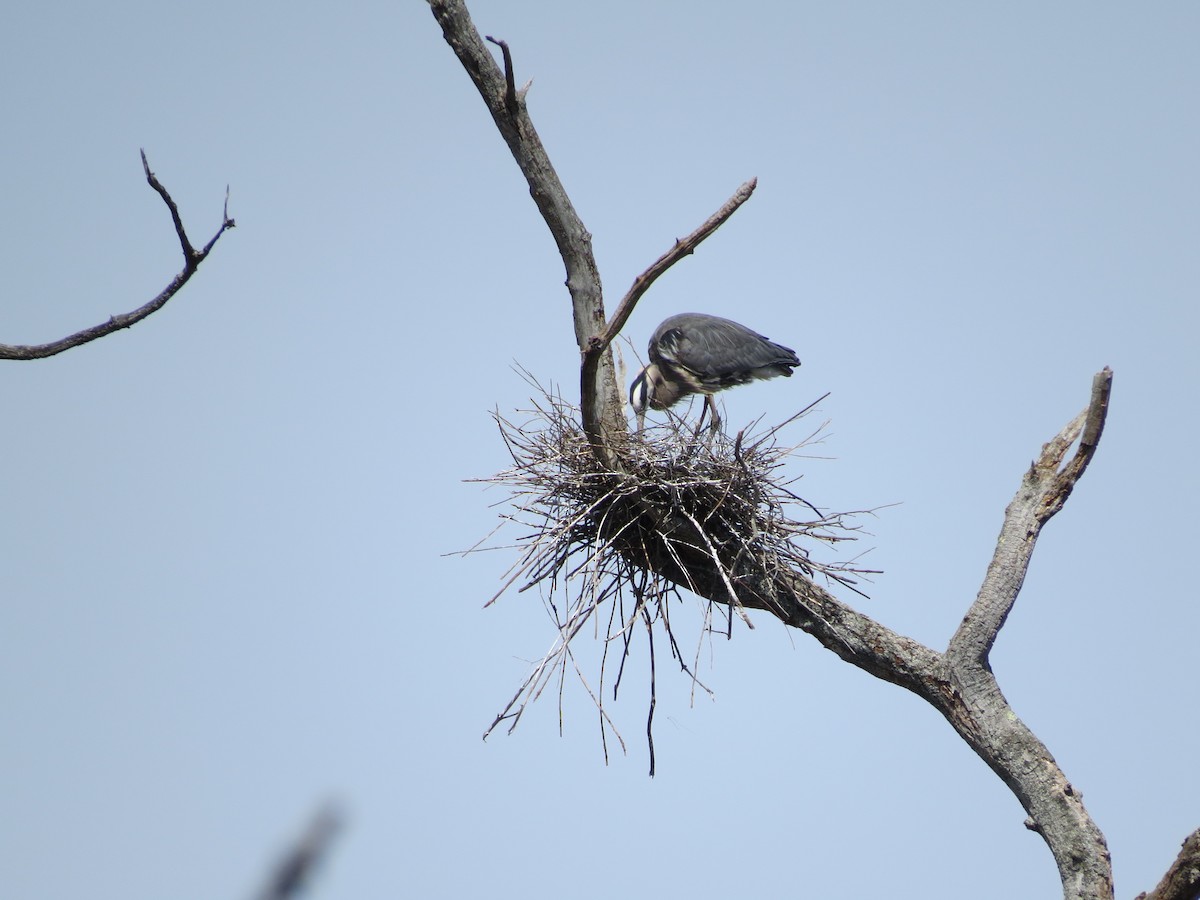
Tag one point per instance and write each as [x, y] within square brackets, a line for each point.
[598, 345]
[295, 868]
[612, 615]
[682, 248]
[712, 552]
[191, 261]
[510, 84]
[653, 699]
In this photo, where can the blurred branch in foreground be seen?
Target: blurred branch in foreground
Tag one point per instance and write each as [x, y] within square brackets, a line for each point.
[296, 866]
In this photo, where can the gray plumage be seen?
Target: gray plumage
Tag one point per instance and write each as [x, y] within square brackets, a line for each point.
[693, 353]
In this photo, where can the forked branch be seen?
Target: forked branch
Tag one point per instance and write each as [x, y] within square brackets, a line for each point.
[1043, 491]
[958, 682]
[602, 405]
[599, 344]
[191, 261]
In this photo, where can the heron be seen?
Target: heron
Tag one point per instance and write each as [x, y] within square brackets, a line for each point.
[694, 353]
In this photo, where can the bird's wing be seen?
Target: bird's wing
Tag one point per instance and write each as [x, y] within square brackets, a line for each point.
[715, 348]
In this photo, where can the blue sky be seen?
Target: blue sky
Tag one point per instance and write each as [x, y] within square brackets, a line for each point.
[226, 594]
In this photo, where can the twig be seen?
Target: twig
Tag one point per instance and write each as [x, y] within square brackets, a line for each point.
[681, 248]
[732, 598]
[653, 697]
[189, 252]
[296, 867]
[191, 261]
[510, 84]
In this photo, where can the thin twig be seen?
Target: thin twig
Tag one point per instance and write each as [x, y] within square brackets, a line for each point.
[510, 84]
[295, 868]
[681, 248]
[653, 696]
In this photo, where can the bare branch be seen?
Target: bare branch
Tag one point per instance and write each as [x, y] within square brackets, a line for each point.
[682, 248]
[191, 261]
[601, 404]
[296, 866]
[510, 83]
[1043, 491]
[970, 696]
[152, 180]
[960, 683]
[1093, 426]
[1182, 881]
[597, 348]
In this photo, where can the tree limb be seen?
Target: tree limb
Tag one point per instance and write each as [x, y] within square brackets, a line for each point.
[603, 411]
[1043, 491]
[959, 683]
[510, 81]
[191, 261]
[1182, 881]
[295, 867]
[682, 248]
[598, 345]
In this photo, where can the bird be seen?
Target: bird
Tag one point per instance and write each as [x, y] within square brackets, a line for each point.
[695, 353]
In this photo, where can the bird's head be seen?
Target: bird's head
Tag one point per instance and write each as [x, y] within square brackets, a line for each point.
[641, 392]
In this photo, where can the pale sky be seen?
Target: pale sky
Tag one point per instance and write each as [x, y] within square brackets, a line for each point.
[225, 588]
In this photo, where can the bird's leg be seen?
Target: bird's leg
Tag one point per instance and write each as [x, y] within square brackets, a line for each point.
[700, 421]
[714, 423]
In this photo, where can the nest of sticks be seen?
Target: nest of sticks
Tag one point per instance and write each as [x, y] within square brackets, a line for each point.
[603, 546]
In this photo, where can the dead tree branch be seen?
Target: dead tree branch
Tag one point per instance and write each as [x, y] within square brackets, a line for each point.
[1182, 881]
[191, 261]
[295, 867]
[597, 347]
[601, 400]
[630, 530]
[510, 82]
[603, 409]
[1043, 492]
[682, 248]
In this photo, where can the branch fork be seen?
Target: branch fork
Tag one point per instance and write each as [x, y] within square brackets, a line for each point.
[191, 262]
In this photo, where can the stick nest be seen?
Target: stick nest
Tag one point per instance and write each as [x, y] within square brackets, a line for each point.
[692, 509]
